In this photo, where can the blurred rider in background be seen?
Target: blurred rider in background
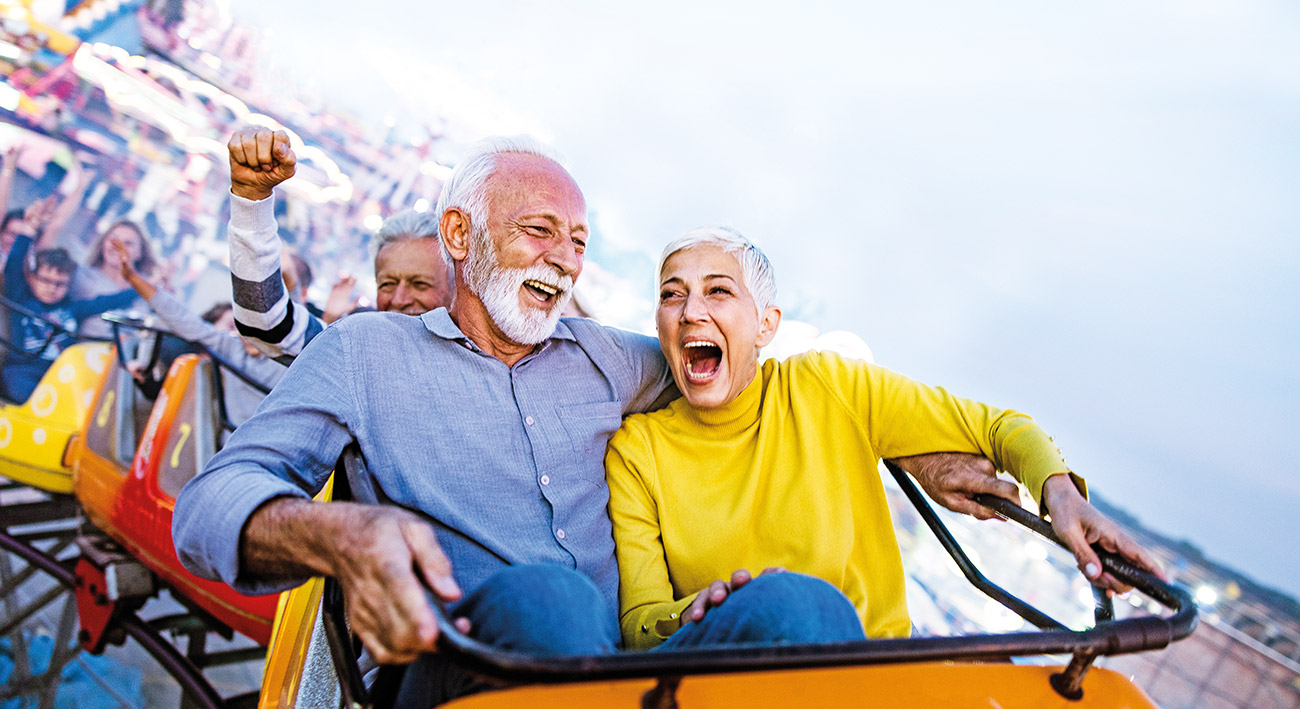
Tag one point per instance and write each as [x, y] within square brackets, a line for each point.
[410, 273]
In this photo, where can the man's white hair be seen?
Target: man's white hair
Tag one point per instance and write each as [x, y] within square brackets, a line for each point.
[755, 269]
[466, 189]
[404, 225]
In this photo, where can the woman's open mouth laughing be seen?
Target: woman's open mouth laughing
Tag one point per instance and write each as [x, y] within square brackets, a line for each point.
[702, 360]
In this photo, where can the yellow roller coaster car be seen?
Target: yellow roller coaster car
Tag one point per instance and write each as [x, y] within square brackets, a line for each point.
[34, 435]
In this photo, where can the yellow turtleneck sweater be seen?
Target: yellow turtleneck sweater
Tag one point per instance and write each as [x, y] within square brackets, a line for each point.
[786, 475]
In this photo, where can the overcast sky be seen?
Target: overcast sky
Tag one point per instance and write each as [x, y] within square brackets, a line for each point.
[1087, 212]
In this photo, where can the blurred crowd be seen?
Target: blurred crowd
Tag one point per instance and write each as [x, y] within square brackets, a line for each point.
[108, 152]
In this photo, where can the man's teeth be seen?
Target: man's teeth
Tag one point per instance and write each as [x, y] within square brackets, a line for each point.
[547, 289]
[700, 343]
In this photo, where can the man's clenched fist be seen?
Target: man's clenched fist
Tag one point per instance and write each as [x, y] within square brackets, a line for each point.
[260, 159]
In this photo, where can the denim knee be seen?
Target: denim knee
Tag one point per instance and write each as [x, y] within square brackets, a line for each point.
[798, 608]
[541, 609]
[775, 608]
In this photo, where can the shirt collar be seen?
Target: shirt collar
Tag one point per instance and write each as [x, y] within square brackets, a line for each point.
[440, 324]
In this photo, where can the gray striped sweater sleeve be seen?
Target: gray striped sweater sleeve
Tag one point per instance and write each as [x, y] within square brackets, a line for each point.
[264, 314]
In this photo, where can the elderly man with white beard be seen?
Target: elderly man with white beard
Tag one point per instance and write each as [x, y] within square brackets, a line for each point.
[485, 423]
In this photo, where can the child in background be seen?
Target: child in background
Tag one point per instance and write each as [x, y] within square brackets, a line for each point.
[36, 340]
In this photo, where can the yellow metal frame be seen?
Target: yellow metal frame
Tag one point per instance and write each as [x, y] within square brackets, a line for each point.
[34, 435]
[295, 618]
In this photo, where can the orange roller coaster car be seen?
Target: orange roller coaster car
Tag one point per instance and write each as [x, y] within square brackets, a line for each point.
[134, 504]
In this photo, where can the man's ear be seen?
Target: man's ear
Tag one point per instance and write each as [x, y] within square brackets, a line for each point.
[768, 324]
[454, 232]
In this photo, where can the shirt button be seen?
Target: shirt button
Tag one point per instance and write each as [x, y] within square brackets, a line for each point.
[529, 420]
[559, 534]
[546, 480]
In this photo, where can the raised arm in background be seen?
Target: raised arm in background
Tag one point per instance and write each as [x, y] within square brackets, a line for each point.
[80, 177]
[8, 170]
[188, 326]
[264, 314]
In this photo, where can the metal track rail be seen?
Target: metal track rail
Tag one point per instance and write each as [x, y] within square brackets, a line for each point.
[198, 690]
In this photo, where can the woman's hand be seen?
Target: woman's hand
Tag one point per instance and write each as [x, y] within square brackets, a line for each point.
[340, 301]
[39, 211]
[717, 593]
[129, 274]
[1080, 525]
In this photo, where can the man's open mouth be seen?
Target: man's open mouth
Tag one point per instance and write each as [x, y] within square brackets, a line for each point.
[544, 292]
[702, 359]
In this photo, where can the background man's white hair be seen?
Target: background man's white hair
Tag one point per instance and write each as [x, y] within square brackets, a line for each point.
[466, 189]
[403, 225]
[760, 279]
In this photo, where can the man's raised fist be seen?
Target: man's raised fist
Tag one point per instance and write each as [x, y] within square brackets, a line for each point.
[260, 159]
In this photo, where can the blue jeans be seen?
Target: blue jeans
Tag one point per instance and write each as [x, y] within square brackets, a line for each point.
[775, 608]
[541, 610]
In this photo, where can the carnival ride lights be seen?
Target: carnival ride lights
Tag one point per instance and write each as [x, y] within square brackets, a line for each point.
[88, 14]
[1206, 595]
[127, 81]
[10, 97]
[143, 100]
[340, 187]
[8, 50]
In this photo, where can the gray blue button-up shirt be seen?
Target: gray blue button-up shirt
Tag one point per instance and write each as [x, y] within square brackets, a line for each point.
[507, 461]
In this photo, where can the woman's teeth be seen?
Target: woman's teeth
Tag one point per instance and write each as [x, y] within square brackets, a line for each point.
[702, 359]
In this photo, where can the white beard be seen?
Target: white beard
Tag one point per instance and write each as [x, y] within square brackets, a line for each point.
[498, 289]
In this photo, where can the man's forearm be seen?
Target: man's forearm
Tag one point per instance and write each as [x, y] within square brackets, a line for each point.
[289, 537]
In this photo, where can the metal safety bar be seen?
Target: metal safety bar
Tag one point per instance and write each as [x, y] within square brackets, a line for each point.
[118, 321]
[1106, 638]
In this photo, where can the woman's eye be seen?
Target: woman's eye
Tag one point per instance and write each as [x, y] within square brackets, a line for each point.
[666, 295]
[719, 290]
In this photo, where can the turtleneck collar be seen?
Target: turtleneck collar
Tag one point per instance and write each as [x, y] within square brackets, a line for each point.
[736, 414]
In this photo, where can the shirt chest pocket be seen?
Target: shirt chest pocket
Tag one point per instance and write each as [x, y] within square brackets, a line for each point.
[590, 426]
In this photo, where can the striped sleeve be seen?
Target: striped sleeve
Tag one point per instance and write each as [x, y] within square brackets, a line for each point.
[263, 312]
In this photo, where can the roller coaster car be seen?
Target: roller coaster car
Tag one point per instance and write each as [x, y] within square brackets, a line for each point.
[312, 659]
[140, 444]
[34, 434]
[131, 497]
